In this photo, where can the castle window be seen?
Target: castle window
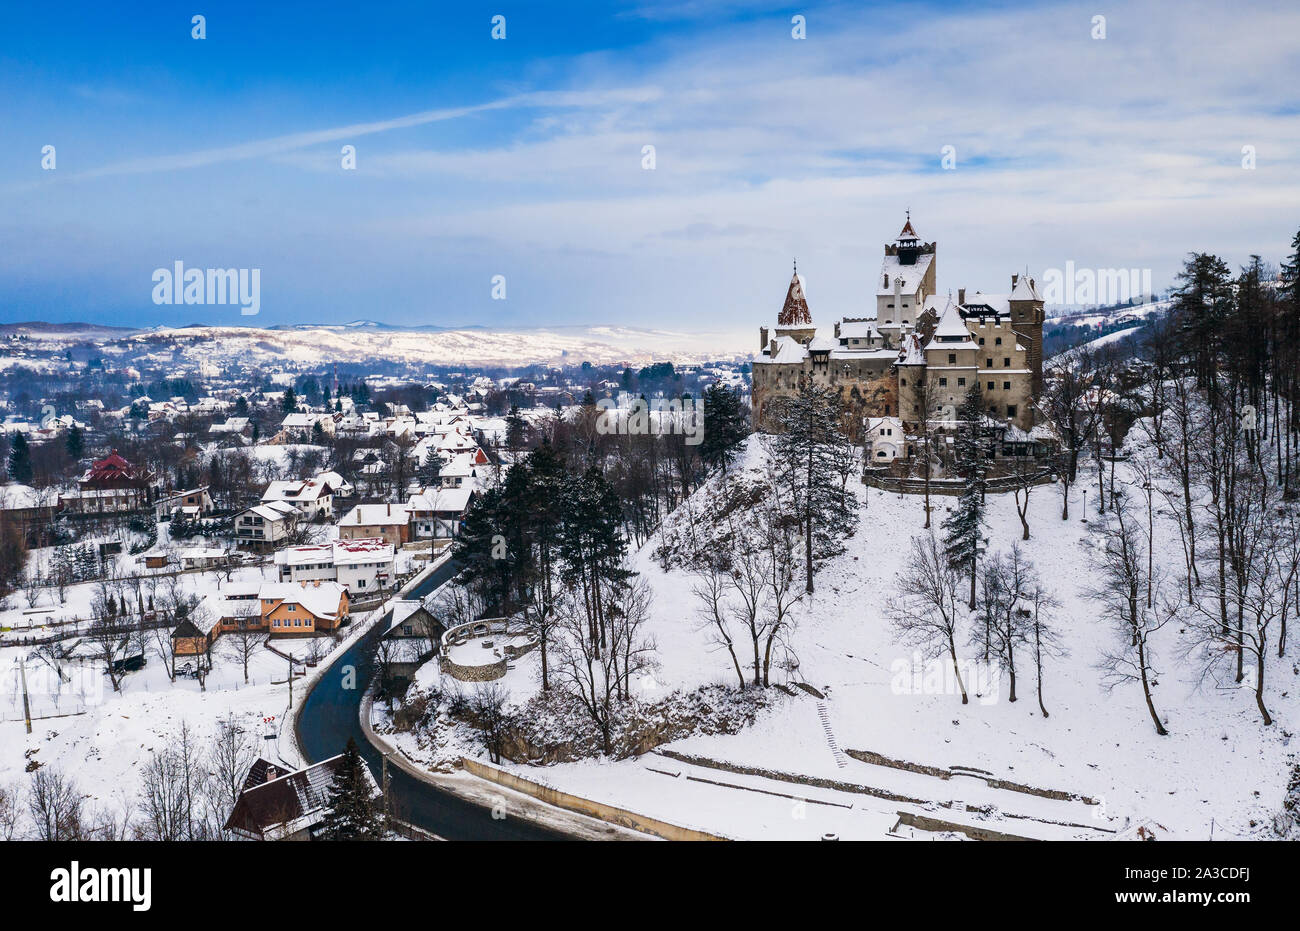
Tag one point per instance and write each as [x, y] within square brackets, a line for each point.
[952, 358]
[998, 341]
[1006, 386]
[990, 386]
[943, 383]
[981, 341]
[1011, 410]
[961, 383]
[902, 382]
[988, 363]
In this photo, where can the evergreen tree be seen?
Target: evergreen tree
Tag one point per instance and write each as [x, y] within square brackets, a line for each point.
[20, 460]
[289, 403]
[354, 813]
[429, 472]
[76, 443]
[964, 527]
[592, 545]
[516, 429]
[1202, 303]
[482, 550]
[725, 425]
[809, 425]
[1290, 273]
[241, 406]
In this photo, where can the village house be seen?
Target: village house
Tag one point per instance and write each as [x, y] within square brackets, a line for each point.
[297, 608]
[362, 566]
[313, 498]
[263, 526]
[390, 522]
[111, 485]
[279, 805]
[196, 502]
[437, 512]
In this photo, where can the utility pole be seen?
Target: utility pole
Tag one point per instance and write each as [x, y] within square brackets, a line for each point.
[290, 681]
[27, 707]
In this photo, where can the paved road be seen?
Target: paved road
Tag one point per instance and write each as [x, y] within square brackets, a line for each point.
[332, 714]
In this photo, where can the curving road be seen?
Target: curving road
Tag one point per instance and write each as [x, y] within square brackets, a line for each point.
[332, 714]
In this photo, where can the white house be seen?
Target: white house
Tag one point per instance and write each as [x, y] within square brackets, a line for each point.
[265, 525]
[360, 566]
[885, 440]
[436, 512]
[313, 498]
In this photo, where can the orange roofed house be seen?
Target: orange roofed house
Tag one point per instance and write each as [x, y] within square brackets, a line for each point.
[281, 609]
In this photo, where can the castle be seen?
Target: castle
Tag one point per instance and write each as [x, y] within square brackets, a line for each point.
[916, 338]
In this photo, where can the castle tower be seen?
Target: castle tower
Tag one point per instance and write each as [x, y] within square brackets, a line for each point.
[1026, 306]
[795, 319]
[907, 277]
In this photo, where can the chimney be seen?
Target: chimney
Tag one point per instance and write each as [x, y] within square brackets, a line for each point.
[1014, 279]
[961, 296]
[762, 337]
[886, 279]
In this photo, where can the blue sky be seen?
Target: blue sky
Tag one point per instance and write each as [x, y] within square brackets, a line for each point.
[523, 157]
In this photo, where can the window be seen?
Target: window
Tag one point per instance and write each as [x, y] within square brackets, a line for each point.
[990, 386]
[988, 363]
[902, 382]
[981, 341]
[1011, 410]
[1006, 386]
[943, 383]
[952, 358]
[998, 341]
[1006, 362]
[961, 383]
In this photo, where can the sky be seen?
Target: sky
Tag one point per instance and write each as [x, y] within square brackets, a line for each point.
[523, 157]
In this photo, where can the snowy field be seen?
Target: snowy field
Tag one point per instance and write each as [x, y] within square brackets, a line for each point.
[1219, 764]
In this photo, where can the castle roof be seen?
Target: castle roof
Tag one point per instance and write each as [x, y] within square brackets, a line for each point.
[795, 311]
[908, 232]
[951, 329]
[1024, 289]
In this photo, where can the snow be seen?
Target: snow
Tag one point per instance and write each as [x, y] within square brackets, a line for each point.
[1218, 762]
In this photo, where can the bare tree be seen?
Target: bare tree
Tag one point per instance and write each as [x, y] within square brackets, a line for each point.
[926, 614]
[710, 590]
[243, 641]
[231, 756]
[8, 812]
[487, 713]
[1044, 637]
[1007, 578]
[1121, 578]
[54, 806]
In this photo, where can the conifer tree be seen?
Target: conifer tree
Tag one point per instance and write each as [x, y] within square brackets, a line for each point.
[724, 426]
[20, 460]
[429, 472]
[353, 811]
[964, 527]
[809, 425]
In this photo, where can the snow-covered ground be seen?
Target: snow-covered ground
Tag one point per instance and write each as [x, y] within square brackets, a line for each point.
[1218, 763]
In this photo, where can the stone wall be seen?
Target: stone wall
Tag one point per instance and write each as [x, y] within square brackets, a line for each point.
[585, 806]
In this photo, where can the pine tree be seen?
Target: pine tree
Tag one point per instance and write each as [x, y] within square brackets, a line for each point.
[516, 429]
[289, 403]
[429, 473]
[964, 527]
[76, 443]
[592, 545]
[20, 460]
[724, 426]
[353, 812]
[1290, 273]
[809, 425]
